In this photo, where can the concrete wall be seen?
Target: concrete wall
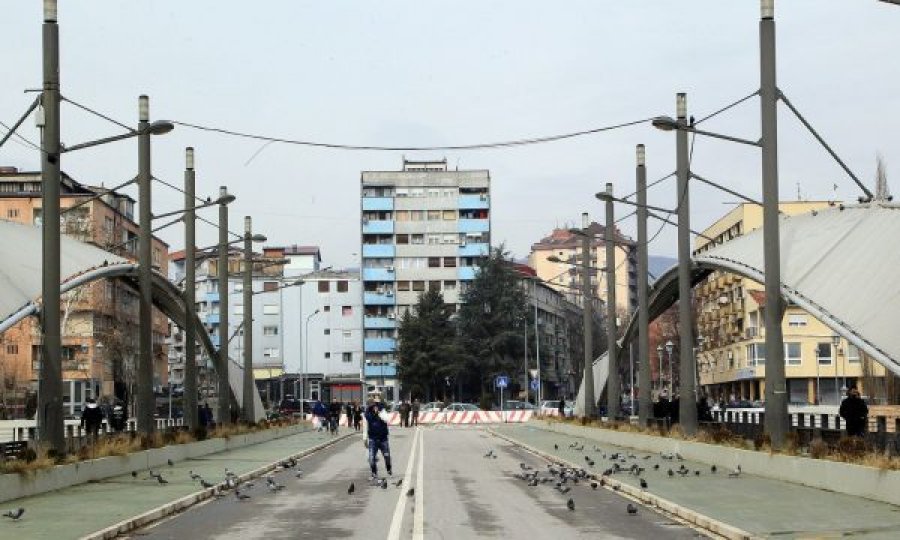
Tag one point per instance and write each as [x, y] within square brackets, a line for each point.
[868, 482]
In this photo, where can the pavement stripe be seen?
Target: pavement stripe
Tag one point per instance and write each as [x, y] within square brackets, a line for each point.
[397, 520]
[419, 516]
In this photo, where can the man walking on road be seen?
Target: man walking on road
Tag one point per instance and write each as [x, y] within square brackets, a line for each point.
[375, 436]
[415, 412]
[404, 413]
[855, 412]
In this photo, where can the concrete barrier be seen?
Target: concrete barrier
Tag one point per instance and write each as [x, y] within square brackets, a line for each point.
[868, 482]
[17, 485]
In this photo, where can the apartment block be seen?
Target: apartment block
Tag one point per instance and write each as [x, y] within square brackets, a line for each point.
[424, 227]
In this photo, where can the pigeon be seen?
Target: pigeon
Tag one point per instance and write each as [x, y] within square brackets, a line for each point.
[735, 473]
[556, 447]
[152, 474]
[274, 488]
[230, 483]
[656, 466]
[646, 457]
[194, 476]
[713, 469]
[206, 484]
[617, 487]
[643, 484]
[399, 483]
[134, 474]
[351, 489]
[384, 483]
[410, 492]
[565, 490]
[241, 496]
[170, 462]
[14, 514]
[299, 473]
[489, 454]
[273, 485]
[593, 485]
[696, 473]
[161, 480]
[671, 473]
[632, 509]
[570, 504]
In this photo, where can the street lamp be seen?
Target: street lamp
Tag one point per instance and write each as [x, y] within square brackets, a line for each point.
[669, 348]
[659, 375]
[835, 343]
[306, 355]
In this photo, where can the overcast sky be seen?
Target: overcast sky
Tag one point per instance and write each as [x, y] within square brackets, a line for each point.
[435, 73]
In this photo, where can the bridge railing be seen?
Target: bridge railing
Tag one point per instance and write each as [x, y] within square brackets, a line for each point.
[76, 436]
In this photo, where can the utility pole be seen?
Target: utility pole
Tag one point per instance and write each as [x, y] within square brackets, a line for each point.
[146, 402]
[642, 276]
[249, 413]
[537, 345]
[50, 412]
[613, 384]
[590, 405]
[688, 399]
[222, 370]
[776, 421]
[189, 397]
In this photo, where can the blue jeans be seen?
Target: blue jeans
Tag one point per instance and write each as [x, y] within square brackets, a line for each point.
[374, 446]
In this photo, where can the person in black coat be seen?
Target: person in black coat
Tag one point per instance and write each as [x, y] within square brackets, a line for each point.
[855, 412]
[91, 419]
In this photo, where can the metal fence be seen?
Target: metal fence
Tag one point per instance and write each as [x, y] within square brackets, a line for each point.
[76, 436]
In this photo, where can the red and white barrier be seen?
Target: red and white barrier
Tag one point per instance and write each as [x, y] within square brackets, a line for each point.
[455, 417]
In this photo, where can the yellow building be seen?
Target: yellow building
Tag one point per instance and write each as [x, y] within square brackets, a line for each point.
[564, 277]
[730, 315]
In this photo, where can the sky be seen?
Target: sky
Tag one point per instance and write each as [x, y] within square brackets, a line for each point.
[416, 73]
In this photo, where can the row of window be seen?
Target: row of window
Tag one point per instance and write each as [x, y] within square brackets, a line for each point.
[756, 354]
[422, 191]
[420, 285]
[275, 309]
[275, 352]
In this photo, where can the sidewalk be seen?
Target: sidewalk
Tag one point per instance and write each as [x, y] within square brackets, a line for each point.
[760, 506]
[80, 510]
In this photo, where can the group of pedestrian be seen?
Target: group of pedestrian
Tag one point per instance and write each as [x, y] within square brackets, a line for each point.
[408, 410]
[328, 417]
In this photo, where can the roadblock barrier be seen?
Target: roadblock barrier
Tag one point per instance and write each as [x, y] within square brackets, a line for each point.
[455, 417]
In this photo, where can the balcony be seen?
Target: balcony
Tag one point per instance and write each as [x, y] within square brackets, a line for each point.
[212, 318]
[474, 250]
[378, 250]
[474, 202]
[378, 299]
[473, 225]
[374, 372]
[378, 274]
[466, 273]
[375, 226]
[378, 203]
[211, 296]
[379, 345]
[379, 322]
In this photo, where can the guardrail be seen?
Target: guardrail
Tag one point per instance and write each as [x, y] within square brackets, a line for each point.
[76, 436]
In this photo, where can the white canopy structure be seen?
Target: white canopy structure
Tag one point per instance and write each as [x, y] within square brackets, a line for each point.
[80, 264]
[839, 264]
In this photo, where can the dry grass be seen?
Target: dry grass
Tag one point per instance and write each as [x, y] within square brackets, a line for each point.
[26, 466]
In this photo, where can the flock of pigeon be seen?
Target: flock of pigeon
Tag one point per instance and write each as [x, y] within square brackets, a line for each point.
[563, 478]
[383, 484]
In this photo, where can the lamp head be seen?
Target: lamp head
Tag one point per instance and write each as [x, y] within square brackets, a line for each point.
[259, 238]
[160, 127]
[767, 9]
[189, 158]
[585, 221]
[641, 155]
[670, 347]
[49, 10]
[248, 224]
[143, 108]
[681, 105]
[554, 259]
[664, 123]
[227, 198]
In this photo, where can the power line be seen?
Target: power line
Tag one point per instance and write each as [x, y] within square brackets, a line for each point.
[19, 137]
[729, 106]
[216, 225]
[477, 146]
[95, 113]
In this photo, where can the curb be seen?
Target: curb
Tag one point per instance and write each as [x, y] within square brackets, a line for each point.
[667, 507]
[187, 501]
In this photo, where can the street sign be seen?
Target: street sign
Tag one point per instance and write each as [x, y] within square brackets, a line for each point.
[502, 381]
[535, 384]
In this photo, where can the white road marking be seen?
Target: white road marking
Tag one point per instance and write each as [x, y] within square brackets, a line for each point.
[397, 520]
[419, 516]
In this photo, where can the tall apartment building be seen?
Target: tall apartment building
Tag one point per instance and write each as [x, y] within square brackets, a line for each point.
[731, 330]
[99, 334]
[565, 276]
[423, 227]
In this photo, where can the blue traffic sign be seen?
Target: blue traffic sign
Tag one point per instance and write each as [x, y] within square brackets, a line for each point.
[502, 381]
[535, 384]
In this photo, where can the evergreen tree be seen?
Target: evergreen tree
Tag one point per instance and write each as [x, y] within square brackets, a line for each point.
[428, 349]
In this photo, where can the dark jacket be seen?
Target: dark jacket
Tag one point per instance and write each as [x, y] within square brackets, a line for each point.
[377, 428]
[334, 410]
[404, 409]
[91, 418]
[854, 411]
[319, 409]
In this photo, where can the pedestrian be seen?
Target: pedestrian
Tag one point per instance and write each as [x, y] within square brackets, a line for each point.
[348, 413]
[91, 419]
[357, 416]
[415, 412]
[208, 419]
[118, 416]
[320, 414]
[334, 416]
[404, 413]
[855, 413]
[561, 408]
[375, 436]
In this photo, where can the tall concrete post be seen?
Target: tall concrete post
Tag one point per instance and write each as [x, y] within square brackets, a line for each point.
[191, 417]
[146, 402]
[613, 382]
[50, 405]
[776, 421]
[644, 398]
[223, 364]
[587, 294]
[688, 406]
[249, 413]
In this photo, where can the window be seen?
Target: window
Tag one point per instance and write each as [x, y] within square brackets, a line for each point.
[324, 286]
[402, 285]
[328, 355]
[434, 262]
[418, 285]
[326, 309]
[342, 286]
[269, 286]
[238, 287]
[270, 330]
[346, 311]
[12, 349]
[401, 215]
[450, 239]
[402, 239]
[852, 354]
[433, 239]
[416, 215]
[756, 354]
[792, 353]
[347, 357]
[271, 309]
[823, 353]
[450, 285]
[434, 215]
[449, 215]
[434, 286]
[417, 239]
[449, 262]
[347, 333]
[239, 309]
[328, 331]
[797, 321]
[12, 213]
[271, 352]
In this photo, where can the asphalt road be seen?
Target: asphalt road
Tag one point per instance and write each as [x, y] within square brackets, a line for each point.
[458, 494]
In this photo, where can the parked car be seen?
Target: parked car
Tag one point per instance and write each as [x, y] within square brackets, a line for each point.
[551, 407]
[515, 405]
[462, 407]
[289, 406]
[432, 406]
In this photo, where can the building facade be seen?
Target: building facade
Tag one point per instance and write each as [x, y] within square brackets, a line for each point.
[99, 321]
[730, 314]
[423, 227]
